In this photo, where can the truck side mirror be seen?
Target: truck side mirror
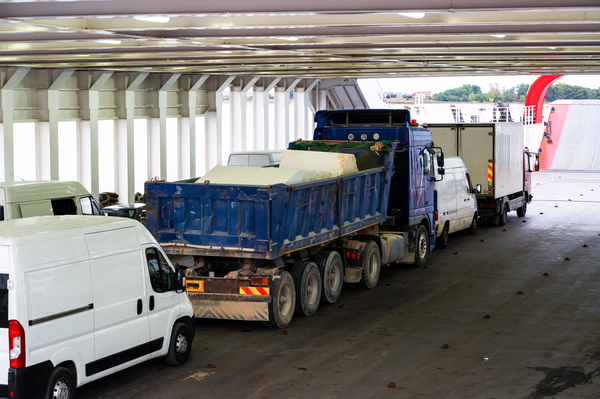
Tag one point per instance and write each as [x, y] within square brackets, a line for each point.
[440, 159]
[1, 212]
[537, 163]
[478, 189]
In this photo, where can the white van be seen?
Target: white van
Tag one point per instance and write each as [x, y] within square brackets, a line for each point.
[456, 202]
[82, 297]
[260, 158]
[21, 199]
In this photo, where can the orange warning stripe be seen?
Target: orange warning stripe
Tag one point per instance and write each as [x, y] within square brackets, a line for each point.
[254, 291]
[490, 171]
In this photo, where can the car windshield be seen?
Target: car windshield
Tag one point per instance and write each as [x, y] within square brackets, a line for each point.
[125, 213]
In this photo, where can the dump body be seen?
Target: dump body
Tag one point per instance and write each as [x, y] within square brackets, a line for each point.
[267, 222]
[494, 156]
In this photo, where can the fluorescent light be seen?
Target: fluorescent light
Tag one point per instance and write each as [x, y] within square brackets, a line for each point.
[161, 20]
[290, 38]
[417, 15]
[498, 36]
[552, 48]
[108, 41]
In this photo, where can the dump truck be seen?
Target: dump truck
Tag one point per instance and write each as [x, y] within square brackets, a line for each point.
[266, 252]
[498, 163]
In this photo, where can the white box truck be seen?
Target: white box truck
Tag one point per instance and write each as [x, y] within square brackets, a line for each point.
[82, 297]
[497, 161]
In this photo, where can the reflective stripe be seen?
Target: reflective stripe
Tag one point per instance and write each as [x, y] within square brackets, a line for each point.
[490, 171]
[254, 291]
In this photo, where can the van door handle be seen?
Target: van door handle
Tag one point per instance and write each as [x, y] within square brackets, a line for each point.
[139, 306]
[151, 302]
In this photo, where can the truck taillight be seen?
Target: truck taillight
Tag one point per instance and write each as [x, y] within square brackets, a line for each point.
[352, 255]
[259, 281]
[16, 344]
[435, 216]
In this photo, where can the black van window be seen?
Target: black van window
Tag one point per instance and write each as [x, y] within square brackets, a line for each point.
[3, 301]
[161, 275]
[64, 206]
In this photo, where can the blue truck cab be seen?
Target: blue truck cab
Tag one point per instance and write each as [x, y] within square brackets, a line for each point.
[412, 191]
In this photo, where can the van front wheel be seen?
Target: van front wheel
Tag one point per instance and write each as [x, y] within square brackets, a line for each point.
[61, 385]
[180, 345]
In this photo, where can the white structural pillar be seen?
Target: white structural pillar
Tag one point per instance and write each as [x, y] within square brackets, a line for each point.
[281, 118]
[8, 107]
[214, 126]
[235, 135]
[288, 90]
[126, 144]
[162, 112]
[300, 115]
[53, 109]
[191, 143]
[269, 144]
[261, 136]
[308, 106]
[90, 158]
[243, 104]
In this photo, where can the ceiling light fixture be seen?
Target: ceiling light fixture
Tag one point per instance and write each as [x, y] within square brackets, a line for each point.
[161, 20]
[498, 36]
[290, 38]
[108, 41]
[416, 15]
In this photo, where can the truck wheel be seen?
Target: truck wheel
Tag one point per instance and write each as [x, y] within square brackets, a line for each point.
[522, 210]
[180, 346]
[493, 220]
[332, 275]
[442, 241]
[503, 216]
[283, 301]
[422, 250]
[61, 384]
[308, 287]
[371, 266]
[472, 229]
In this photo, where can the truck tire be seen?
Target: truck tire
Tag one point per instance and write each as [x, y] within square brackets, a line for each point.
[283, 301]
[371, 266]
[332, 275]
[442, 241]
[180, 346]
[61, 384]
[472, 229]
[308, 287]
[422, 249]
[493, 220]
[522, 211]
[503, 217]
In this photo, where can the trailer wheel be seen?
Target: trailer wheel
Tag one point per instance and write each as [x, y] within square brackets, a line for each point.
[371, 266]
[61, 384]
[472, 229]
[283, 301]
[332, 275]
[522, 210]
[422, 250]
[503, 216]
[308, 287]
[444, 238]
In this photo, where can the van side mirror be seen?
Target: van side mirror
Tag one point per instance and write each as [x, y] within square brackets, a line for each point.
[478, 189]
[1, 212]
[536, 166]
[179, 278]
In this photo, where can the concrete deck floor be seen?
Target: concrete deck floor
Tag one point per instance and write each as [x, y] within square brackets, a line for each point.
[543, 343]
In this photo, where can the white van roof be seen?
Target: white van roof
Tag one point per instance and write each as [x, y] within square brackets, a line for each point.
[453, 162]
[23, 191]
[42, 228]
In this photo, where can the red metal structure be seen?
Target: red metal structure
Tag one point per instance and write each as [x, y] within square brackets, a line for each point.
[537, 92]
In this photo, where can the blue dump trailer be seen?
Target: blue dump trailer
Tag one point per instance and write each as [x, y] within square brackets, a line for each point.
[265, 253]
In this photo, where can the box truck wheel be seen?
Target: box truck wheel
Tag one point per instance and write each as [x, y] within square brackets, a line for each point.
[371, 266]
[307, 280]
[522, 211]
[180, 346]
[422, 250]
[283, 301]
[503, 216]
[442, 242]
[332, 274]
[61, 384]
